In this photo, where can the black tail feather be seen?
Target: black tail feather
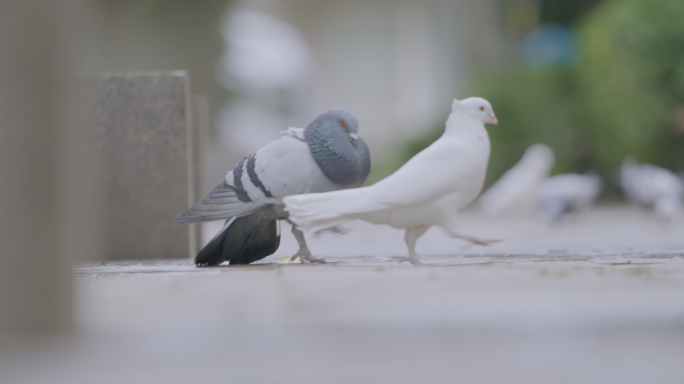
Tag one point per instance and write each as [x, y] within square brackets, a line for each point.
[246, 240]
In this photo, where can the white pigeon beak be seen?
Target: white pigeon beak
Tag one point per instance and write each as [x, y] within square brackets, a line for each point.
[495, 121]
[353, 135]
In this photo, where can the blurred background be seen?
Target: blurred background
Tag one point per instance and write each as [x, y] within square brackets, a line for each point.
[594, 80]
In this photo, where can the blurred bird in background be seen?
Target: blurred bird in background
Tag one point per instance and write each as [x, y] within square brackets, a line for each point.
[517, 189]
[327, 155]
[561, 195]
[427, 191]
[652, 187]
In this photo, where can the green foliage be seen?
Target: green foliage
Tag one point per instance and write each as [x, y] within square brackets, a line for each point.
[535, 106]
[563, 12]
[620, 98]
[632, 80]
[160, 5]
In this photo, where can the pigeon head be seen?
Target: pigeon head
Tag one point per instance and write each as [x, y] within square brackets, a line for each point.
[342, 119]
[477, 108]
[337, 148]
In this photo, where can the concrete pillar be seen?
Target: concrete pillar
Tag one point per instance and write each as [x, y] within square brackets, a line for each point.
[140, 129]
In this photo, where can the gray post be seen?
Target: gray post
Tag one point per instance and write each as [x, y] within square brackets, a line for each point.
[142, 139]
[201, 127]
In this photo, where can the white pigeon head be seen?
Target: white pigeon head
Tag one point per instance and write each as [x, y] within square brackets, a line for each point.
[476, 108]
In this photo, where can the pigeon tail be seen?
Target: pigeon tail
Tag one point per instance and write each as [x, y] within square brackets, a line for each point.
[242, 240]
[317, 211]
[222, 203]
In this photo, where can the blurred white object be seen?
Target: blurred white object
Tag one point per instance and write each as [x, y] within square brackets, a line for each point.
[263, 51]
[268, 67]
[571, 192]
[427, 191]
[247, 125]
[653, 187]
[518, 188]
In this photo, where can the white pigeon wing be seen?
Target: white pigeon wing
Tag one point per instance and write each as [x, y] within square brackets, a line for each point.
[432, 173]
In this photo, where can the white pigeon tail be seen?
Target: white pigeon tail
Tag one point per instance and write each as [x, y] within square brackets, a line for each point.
[426, 191]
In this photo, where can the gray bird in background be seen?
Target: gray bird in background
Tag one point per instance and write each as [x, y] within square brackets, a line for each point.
[327, 155]
[653, 187]
[560, 195]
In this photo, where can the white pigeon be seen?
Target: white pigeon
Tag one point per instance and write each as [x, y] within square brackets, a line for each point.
[427, 191]
[653, 187]
[517, 189]
[571, 192]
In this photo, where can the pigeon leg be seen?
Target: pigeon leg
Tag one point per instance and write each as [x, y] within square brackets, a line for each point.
[478, 241]
[453, 232]
[303, 252]
[473, 239]
[412, 235]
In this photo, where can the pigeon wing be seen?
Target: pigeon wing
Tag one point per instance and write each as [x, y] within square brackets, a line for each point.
[260, 180]
[222, 203]
[433, 173]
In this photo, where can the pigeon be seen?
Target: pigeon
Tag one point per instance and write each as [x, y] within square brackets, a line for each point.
[571, 192]
[517, 189]
[652, 187]
[327, 155]
[426, 191]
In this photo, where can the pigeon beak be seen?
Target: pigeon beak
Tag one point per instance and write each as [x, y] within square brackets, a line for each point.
[353, 135]
[495, 121]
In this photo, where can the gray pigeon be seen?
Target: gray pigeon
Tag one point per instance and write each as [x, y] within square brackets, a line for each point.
[570, 192]
[653, 187]
[327, 155]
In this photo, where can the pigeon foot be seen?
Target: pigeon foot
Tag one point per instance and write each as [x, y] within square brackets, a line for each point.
[313, 260]
[483, 242]
[289, 259]
[415, 262]
[308, 259]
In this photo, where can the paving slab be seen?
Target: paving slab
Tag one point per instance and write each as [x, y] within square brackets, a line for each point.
[535, 314]
[468, 319]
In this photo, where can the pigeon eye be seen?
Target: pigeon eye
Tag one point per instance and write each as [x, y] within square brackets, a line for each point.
[482, 109]
[343, 123]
